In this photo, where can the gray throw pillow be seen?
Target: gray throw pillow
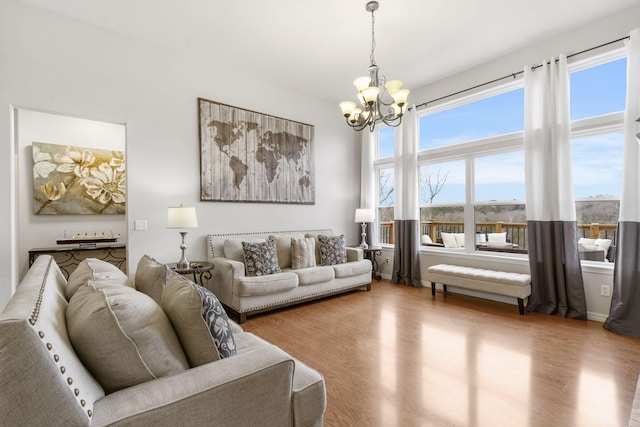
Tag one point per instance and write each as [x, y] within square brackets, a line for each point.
[333, 249]
[199, 319]
[151, 277]
[260, 258]
[122, 336]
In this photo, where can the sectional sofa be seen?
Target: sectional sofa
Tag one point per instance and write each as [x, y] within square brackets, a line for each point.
[95, 351]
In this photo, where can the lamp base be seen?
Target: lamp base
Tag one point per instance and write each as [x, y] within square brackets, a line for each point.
[183, 264]
[363, 243]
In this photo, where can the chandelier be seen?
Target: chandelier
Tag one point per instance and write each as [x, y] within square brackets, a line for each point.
[381, 101]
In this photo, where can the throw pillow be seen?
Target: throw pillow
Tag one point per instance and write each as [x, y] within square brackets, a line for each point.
[151, 277]
[233, 247]
[122, 336]
[459, 239]
[93, 269]
[425, 239]
[199, 319]
[283, 248]
[333, 250]
[260, 258]
[303, 253]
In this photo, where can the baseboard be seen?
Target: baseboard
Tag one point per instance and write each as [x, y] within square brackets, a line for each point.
[598, 317]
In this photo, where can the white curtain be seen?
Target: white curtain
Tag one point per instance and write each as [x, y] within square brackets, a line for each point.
[368, 182]
[624, 315]
[557, 286]
[406, 265]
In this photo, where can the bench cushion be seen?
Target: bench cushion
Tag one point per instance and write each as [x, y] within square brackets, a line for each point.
[497, 282]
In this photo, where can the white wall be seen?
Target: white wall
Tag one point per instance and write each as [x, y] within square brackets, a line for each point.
[41, 231]
[608, 29]
[60, 65]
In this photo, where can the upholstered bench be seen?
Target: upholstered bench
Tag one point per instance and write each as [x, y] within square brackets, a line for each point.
[504, 283]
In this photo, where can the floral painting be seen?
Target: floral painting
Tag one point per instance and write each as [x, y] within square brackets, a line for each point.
[78, 181]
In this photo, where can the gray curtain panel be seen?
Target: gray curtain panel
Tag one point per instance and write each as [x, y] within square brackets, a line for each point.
[624, 315]
[406, 263]
[555, 269]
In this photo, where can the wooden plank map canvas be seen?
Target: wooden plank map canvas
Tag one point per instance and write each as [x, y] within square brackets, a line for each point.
[247, 156]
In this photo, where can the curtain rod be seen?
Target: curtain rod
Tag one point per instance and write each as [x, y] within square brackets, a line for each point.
[513, 75]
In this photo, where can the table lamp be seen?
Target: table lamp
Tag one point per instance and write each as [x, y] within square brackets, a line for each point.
[364, 216]
[182, 217]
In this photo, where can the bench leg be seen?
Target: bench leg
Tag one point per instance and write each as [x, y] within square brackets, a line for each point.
[433, 288]
[521, 306]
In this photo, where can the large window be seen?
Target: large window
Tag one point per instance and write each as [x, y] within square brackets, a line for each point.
[471, 158]
[468, 203]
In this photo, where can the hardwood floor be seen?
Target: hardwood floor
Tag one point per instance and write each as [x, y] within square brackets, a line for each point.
[396, 356]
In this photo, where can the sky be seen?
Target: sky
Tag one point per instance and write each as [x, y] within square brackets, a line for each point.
[597, 160]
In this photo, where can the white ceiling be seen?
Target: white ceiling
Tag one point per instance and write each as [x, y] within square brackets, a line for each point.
[319, 47]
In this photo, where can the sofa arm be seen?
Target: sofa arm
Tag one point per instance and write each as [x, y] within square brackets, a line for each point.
[223, 275]
[355, 254]
[252, 388]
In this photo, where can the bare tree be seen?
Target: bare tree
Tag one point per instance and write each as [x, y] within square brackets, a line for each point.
[434, 184]
[386, 187]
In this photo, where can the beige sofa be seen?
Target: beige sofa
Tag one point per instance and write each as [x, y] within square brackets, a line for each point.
[44, 382]
[244, 295]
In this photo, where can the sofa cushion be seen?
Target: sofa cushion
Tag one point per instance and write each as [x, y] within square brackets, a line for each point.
[250, 286]
[353, 268]
[313, 275]
[151, 277]
[93, 269]
[122, 336]
[199, 320]
[333, 249]
[233, 247]
[283, 247]
[314, 236]
[260, 258]
[303, 252]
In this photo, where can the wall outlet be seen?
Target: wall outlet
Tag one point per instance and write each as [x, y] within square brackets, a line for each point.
[386, 260]
[605, 290]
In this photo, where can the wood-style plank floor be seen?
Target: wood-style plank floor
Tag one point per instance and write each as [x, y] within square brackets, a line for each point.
[396, 356]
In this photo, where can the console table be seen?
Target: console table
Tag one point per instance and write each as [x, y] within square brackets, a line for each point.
[68, 257]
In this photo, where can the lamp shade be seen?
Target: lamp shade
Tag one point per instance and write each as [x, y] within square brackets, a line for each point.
[365, 215]
[182, 217]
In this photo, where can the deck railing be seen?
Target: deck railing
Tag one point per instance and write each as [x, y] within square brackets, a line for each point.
[516, 232]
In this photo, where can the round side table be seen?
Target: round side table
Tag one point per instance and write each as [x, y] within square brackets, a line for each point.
[199, 270]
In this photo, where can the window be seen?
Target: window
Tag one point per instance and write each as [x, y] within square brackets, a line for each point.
[499, 209]
[471, 158]
[491, 116]
[442, 197]
[487, 179]
[385, 184]
[597, 104]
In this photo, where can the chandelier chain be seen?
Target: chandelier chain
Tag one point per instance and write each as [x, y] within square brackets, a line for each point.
[373, 38]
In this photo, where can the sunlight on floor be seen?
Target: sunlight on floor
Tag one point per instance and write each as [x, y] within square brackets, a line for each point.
[597, 400]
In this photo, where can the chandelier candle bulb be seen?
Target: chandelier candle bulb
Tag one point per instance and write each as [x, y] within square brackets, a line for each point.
[382, 102]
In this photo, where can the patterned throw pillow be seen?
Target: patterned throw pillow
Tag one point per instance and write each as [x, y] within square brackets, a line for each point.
[204, 337]
[216, 318]
[333, 250]
[260, 258]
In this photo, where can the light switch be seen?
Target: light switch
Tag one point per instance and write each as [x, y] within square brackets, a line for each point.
[140, 225]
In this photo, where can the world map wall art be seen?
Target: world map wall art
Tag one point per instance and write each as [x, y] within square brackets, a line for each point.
[78, 181]
[247, 156]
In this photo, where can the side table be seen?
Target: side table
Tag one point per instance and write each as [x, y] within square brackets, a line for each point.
[199, 270]
[370, 254]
